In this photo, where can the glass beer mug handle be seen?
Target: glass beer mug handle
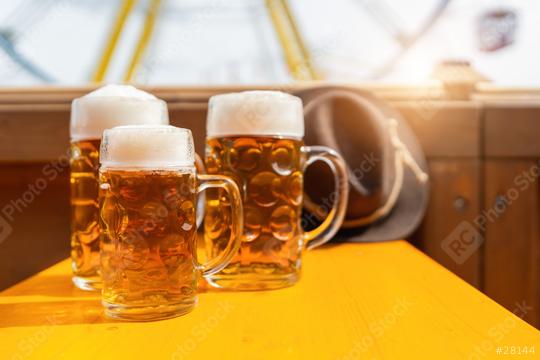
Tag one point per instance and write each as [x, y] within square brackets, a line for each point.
[201, 169]
[237, 221]
[340, 195]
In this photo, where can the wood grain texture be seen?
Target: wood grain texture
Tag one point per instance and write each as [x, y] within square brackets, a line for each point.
[40, 121]
[444, 128]
[512, 130]
[33, 133]
[455, 198]
[368, 301]
[40, 133]
[37, 220]
[512, 247]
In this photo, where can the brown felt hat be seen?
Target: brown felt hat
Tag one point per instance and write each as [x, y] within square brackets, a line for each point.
[387, 169]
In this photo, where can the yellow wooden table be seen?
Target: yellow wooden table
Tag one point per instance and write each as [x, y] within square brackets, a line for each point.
[355, 301]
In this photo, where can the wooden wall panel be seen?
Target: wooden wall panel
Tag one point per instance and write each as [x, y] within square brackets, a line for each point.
[455, 198]
[512, 130]
[33, 133]
[191, 119]
[34, 225]
[445, 129]
[44, 128]
[512, 256]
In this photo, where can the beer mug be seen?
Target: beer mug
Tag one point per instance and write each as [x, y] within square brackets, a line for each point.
[256, 138]
[104, 108]
[148, 189]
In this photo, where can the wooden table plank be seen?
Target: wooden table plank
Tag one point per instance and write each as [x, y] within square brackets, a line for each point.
[369, 301]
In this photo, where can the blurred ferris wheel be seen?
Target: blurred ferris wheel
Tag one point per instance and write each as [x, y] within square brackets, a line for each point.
[210, 41]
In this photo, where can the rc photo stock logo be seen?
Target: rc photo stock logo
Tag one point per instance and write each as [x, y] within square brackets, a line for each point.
[466, 238]
[49, 173]
[462, 242]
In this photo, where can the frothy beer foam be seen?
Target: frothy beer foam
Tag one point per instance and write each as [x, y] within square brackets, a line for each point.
[264, 113]
[114, 105]
[147, 146]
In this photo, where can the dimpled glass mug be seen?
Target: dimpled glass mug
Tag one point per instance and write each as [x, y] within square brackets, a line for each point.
[148, 190]
[256, 138]
[104, 108]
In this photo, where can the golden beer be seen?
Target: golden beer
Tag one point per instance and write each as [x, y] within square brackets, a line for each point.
[269, 172]
[148, 188]
[85, 230]
[256, 139]
[104, 108]
[149, 229]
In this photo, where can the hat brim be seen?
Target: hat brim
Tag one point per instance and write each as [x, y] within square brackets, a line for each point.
[410, 206]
